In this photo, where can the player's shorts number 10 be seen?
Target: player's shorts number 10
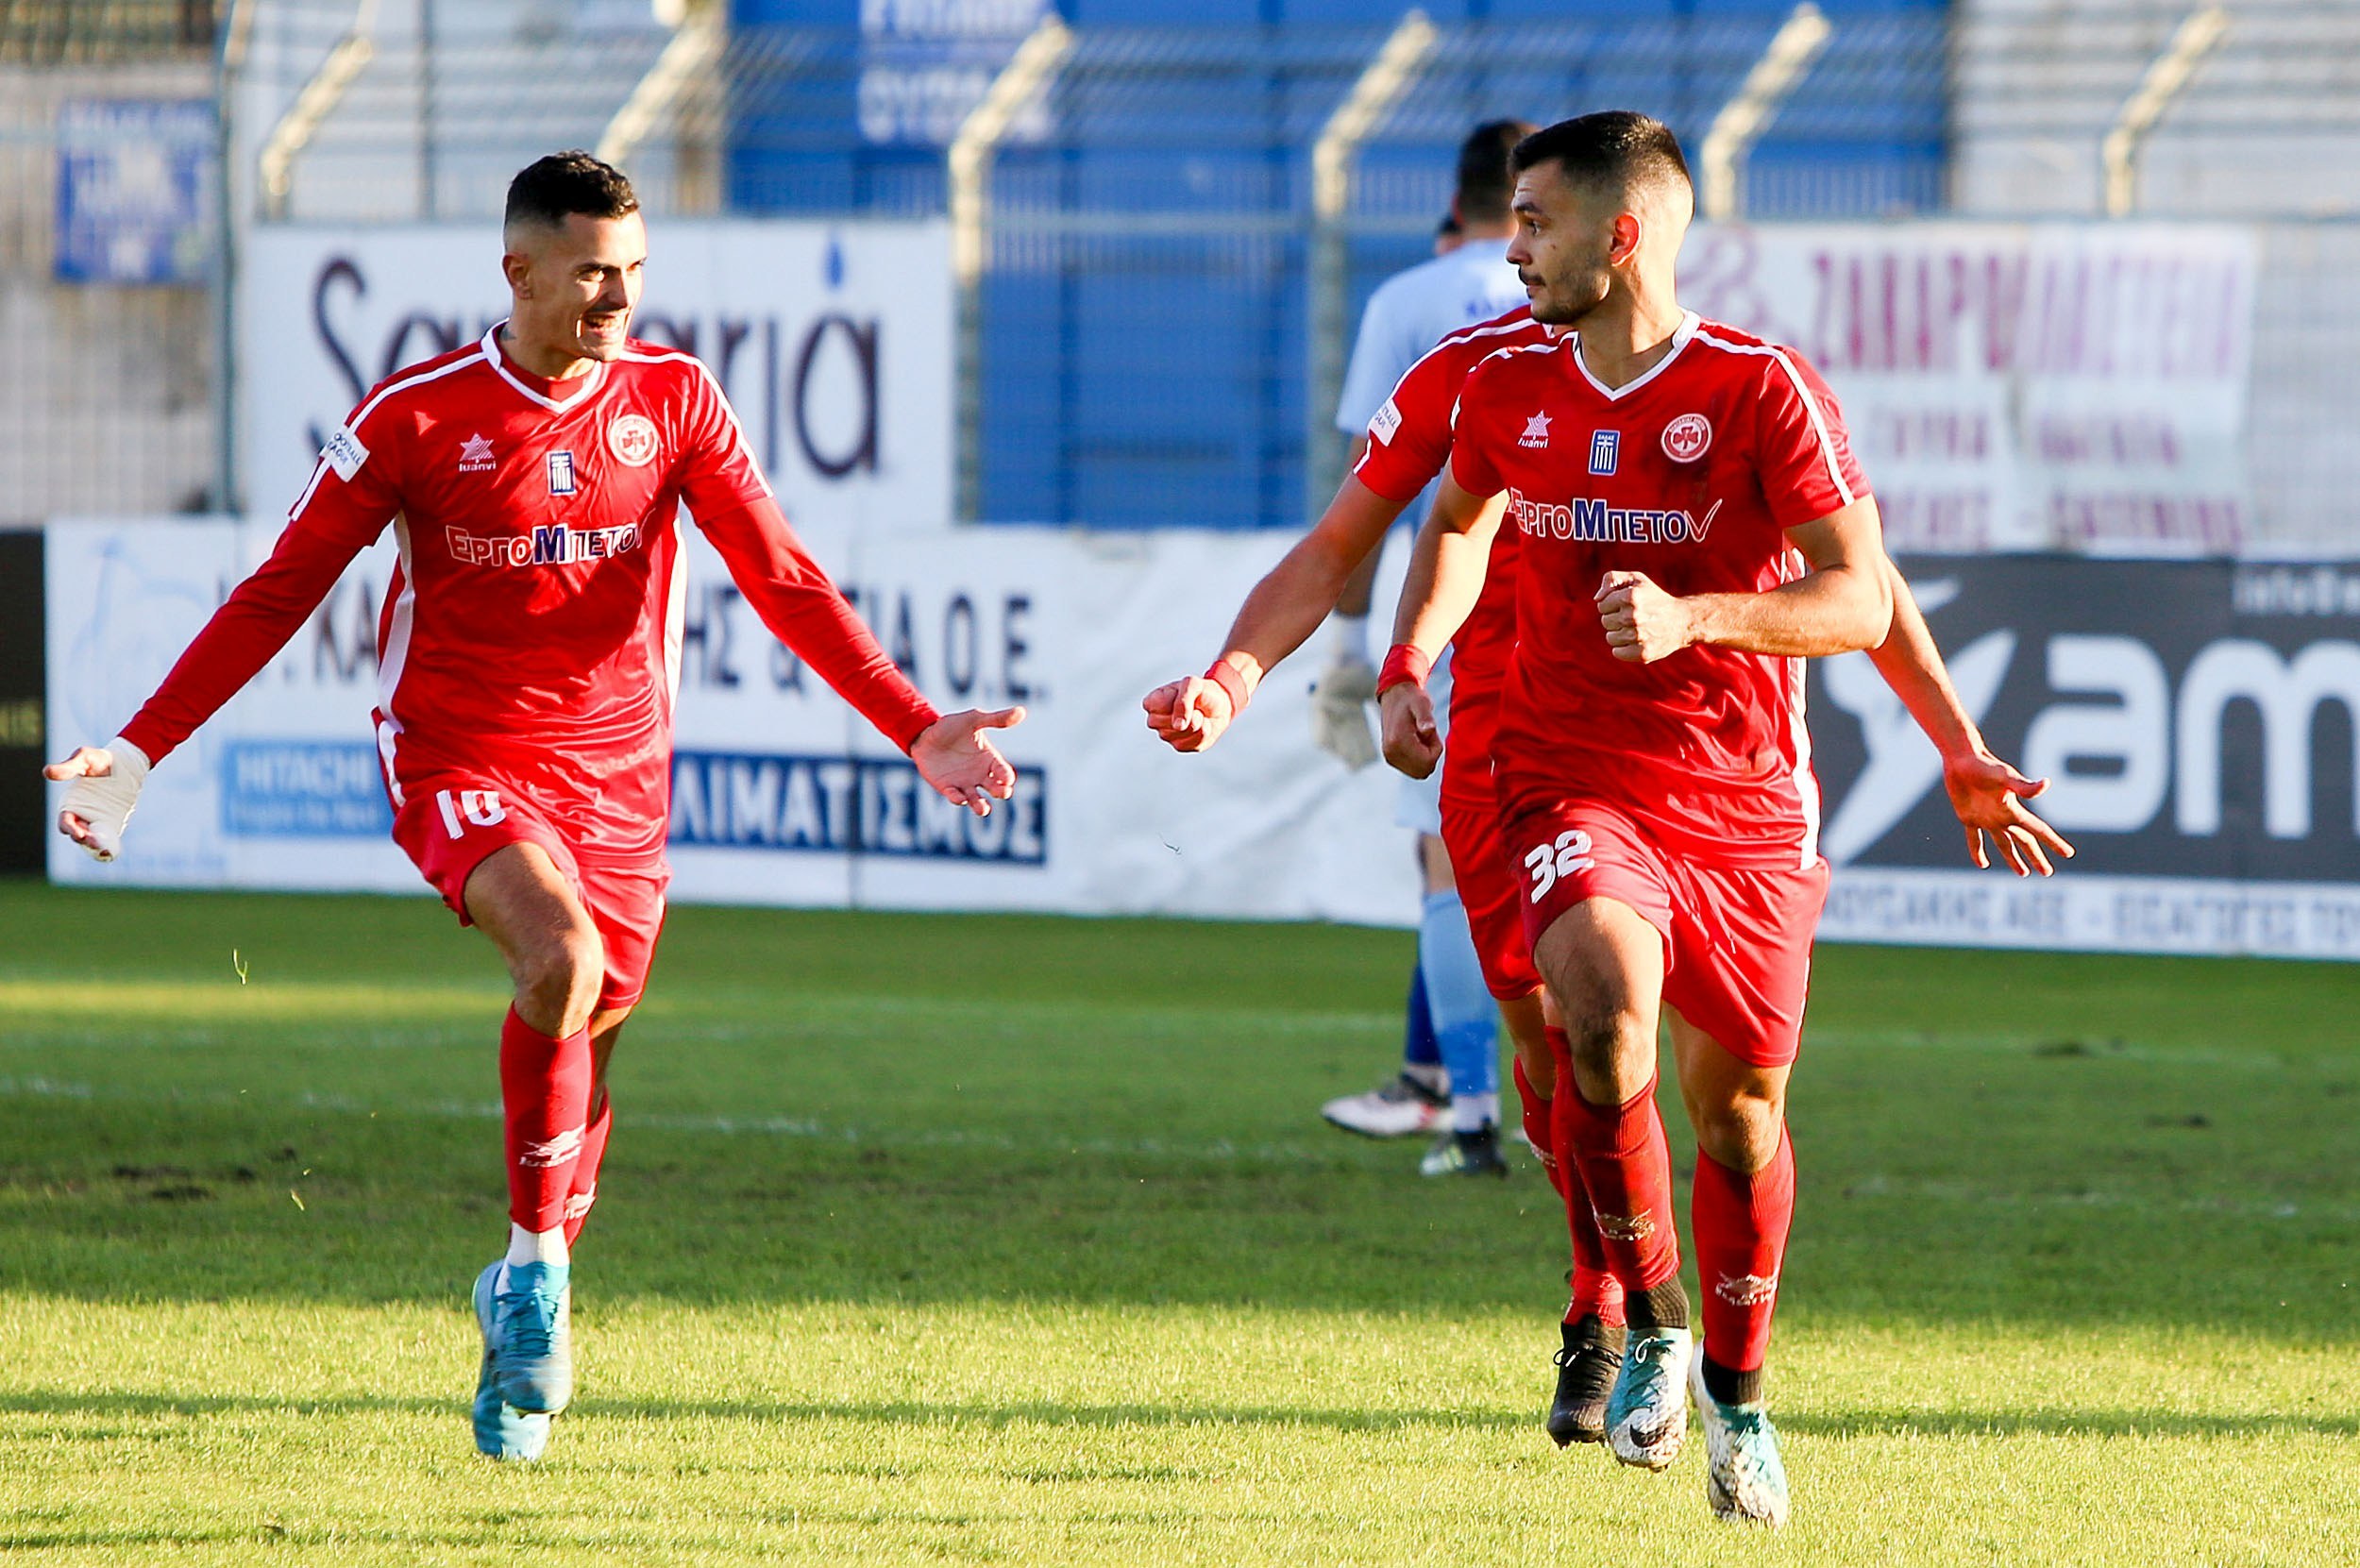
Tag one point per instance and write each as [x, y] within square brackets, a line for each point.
[1548, 862]
[480, 807]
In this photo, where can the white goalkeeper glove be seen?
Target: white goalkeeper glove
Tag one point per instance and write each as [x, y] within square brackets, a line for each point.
[104, 791]
[1340, 710]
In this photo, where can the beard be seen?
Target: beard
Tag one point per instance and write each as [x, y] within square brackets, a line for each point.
[1570, 303]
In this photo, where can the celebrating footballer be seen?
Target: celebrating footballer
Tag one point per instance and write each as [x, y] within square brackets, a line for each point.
[1691, 523]
[528, 660]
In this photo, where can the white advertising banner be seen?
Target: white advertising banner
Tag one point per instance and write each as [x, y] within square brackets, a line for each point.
[781, 794]
[834, 342]
[2053, 386]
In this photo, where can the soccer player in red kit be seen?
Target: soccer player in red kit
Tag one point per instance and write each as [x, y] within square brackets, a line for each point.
[530, 654]
[1409, 442]
[1692, 523]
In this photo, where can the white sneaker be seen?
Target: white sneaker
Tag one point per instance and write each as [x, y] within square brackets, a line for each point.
[1646, 1415]
[1399, 1109]
[1745, 1479]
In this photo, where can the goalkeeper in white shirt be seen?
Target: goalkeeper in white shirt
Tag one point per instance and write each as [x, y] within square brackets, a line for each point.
[1453, 1086]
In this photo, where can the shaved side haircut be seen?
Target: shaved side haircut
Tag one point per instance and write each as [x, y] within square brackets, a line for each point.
[1617, 150]
[550, 189]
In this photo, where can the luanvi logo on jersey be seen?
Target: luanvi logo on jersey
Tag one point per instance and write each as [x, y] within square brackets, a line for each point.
[1536, 431]
[475, 455]
[1596, 523]
[1688, 438]
[632, 440]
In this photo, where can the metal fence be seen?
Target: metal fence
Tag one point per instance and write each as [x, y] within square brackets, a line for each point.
[110, 400]
[1163, 270]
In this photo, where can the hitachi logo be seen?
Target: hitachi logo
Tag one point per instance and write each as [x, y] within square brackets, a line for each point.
[553, 546]
[1596, 523]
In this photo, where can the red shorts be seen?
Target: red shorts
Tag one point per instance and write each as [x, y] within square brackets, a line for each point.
[1488, 890]
[449, 822]
[1737, 942]
[1489, 886]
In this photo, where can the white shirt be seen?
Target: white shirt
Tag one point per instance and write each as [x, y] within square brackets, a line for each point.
[1410, 313]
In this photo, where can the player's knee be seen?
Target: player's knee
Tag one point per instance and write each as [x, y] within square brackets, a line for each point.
[1606, 1032]
[558, 984]
[1740, 1132]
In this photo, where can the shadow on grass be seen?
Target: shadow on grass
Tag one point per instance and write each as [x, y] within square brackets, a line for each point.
[997, 1414]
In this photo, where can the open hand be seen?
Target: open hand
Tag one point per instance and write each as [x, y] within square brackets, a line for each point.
[960, 762]
[106, 788]
[1989, 797]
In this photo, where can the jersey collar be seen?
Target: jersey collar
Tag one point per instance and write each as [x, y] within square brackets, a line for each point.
[1689, 321]
[583, 394]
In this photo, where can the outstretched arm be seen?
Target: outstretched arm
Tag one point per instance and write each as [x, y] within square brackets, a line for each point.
[1283, 611]
[1988, 794]
[338, 515]
[804, 610]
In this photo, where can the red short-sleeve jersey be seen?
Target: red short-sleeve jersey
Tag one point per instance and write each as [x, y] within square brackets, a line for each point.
[1691, 474]
[533, 622]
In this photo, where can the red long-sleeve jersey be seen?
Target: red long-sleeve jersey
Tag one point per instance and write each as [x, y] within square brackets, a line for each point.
[533, 622]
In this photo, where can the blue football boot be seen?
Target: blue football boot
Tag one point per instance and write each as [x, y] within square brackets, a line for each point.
[501, 1430]
[1745, 1479]
[1646, 1415]
[532, 1338]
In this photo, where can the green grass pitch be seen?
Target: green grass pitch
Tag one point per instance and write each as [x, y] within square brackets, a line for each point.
[966, 1240]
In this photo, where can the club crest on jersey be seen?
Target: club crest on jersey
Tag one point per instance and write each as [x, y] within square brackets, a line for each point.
[561, 473]
[475, 455]
[1536, 431]
[632, 440]
[1687, 438]
[1605, 447]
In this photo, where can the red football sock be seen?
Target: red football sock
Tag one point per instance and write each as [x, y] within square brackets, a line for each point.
[584, 1190]
[1595, 1289]
[1538, 1131]
[545, 1092]
[1742, 1223]
[1621, 1158]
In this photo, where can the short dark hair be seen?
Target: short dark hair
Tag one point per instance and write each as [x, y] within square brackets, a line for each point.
[1484, 179]
[548, 189]
[1618, 148]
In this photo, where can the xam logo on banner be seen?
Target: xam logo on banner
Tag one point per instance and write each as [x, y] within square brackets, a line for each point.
[832, 341]
[2198, 721]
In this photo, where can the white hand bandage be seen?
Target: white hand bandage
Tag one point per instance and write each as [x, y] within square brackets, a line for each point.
[105, 801]
[1340, 711]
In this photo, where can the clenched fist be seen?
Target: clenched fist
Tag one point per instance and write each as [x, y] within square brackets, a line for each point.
[1643, 622]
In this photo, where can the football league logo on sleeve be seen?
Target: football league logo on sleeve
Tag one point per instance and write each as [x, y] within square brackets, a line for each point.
[1387, 421]
[1605, 446]
[344, 454]
[1687, 438]
[632, 440]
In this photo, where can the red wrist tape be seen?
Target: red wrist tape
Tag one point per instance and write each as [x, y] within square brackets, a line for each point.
[1403, 662]
[1224, 675]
